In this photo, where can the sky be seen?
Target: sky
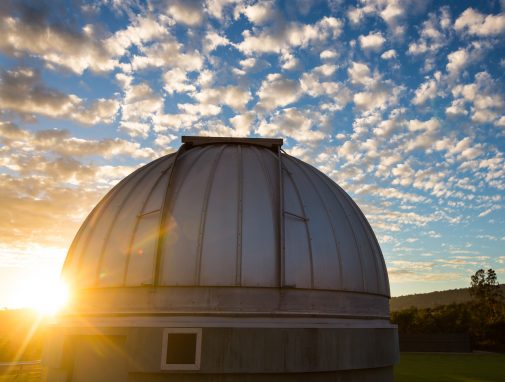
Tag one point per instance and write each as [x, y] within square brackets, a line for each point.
[399, 102]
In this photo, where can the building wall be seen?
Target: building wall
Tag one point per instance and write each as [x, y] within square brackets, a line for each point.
[227, 353]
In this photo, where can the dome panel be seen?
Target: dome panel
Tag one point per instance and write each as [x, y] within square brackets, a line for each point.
[144, 238]
[93, 249]
[116, 251]
[192, 180]
[219, 237]
[298, 254]
[259, 230]
[325, 257]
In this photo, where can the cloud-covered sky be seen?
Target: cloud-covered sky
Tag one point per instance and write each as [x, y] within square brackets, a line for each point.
[401, 102]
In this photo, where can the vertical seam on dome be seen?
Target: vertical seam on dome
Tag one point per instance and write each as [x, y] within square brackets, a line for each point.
[325, 181]
[337, 249]
[267, 177]
[280, 210]
[137, 223]
[377, 254]
[366, 229]
[307, 229]
[114, 219]
[114, 193]
[282, 223]
[166, 206]
[164, 210]
[203, 215]
[240, 202]
[98, 208]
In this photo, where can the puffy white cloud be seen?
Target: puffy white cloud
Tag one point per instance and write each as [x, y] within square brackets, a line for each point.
[391, 11]
[457, 107]
[206, 109]
[373, 41]
[473, 22]
[258, 13]
[427, 90]
[486, 100]
[176, 81]
[233, 96]
[425, 136]
[312, 85]
[139, 105]
[189, 12]
[167, 53]
[289, 35]
[289, 61]
[434, 33]
[22, 91]
[276, 90]
[216, 7]
[328, 54]
[293, 123]
[213, 40]
[376, 93]
[389, 54]
[360, 73]
[243, 123]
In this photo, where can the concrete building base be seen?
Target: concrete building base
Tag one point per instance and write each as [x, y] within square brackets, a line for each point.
[93, 352]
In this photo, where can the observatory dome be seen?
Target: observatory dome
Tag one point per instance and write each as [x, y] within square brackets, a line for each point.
[228, 260]
[228, 212]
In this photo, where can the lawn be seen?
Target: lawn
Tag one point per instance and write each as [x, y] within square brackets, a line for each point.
[413, 367]
[423, 367]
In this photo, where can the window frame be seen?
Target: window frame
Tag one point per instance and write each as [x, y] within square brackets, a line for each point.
[198, 349]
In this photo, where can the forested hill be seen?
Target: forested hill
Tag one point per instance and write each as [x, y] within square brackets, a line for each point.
[432, 299]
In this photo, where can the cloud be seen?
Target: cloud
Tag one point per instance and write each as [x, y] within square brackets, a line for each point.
[338, 94]
[463, 57]
[288, 35]
[374, 92]
[62, 143]
[176, 81]
[213, 40]
[139, 106]
[373, 41]
[359, 73]
[188, 12]
[389, 54]
[23, 92]
[258, 13]
[427, 90]
[475, 23]
[277, 90]
[434, 33]
[487, 102]
[292, 123]
[25, 29]
[167, 53]
[328, 54]
[233, 96]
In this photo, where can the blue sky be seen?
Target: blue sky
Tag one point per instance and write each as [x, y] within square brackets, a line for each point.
[400, 102]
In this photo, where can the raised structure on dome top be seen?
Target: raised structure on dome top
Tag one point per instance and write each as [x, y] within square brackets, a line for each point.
[227, 260]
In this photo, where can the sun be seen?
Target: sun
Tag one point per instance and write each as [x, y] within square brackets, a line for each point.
[45, 295]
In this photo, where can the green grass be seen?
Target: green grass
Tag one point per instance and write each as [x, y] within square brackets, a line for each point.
[413, 367]
[422, 367]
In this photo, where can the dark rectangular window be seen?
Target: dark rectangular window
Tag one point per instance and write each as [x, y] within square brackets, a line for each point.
[181, 348]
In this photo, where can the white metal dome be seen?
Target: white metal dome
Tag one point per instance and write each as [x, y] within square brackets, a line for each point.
[228, 212]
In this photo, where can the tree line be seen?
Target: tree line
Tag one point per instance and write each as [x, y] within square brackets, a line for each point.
[483, 318]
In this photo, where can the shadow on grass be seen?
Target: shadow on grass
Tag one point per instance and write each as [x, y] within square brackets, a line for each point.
[423, 367]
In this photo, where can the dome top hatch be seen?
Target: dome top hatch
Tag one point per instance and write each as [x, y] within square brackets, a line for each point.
[228, 212]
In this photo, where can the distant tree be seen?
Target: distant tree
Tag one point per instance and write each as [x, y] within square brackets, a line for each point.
[485, 287]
